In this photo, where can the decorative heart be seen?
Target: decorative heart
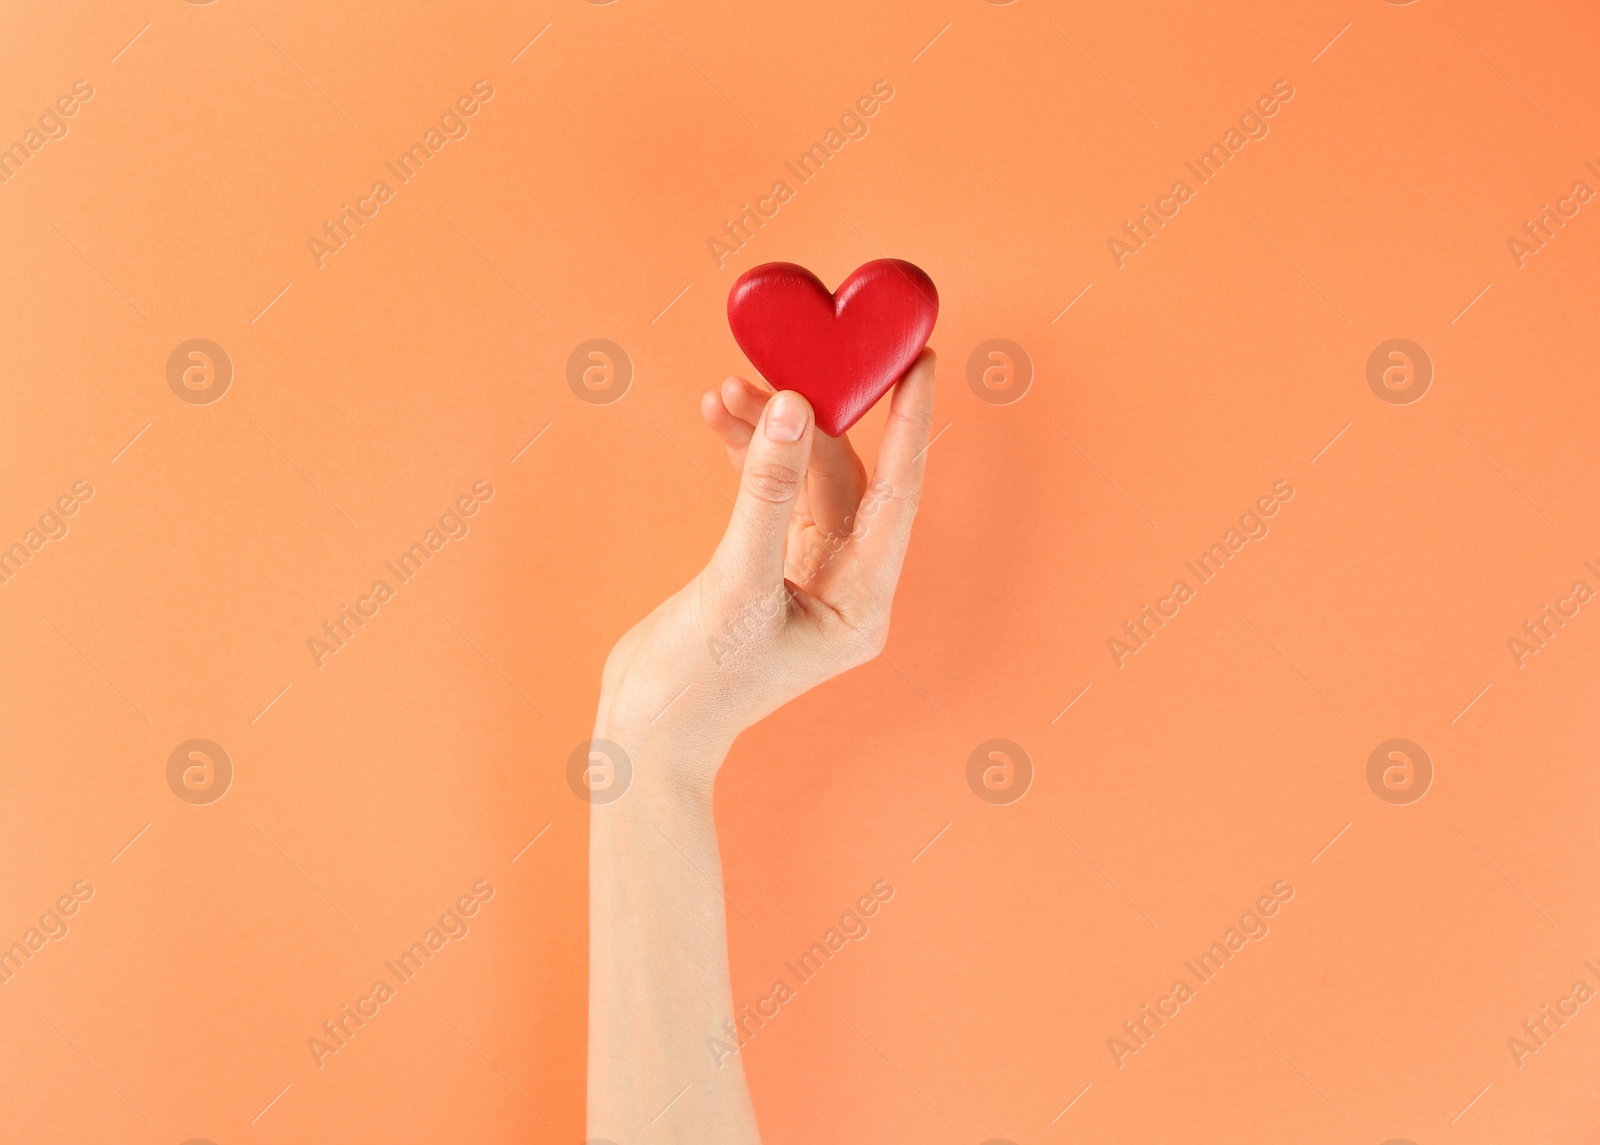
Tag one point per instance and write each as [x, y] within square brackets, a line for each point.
[841, 351]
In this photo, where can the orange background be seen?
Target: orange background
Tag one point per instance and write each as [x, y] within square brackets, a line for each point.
[426, 354]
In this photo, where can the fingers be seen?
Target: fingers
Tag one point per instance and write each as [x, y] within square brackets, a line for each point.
[744, 399]
[836, 477]
[751, 554]
[834, 484]
[735, 433]
[890, 504]
[731, 411]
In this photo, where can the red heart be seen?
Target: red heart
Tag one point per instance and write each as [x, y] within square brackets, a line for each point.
[841, 351]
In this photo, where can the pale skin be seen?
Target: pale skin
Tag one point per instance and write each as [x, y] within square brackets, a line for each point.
[798, 591]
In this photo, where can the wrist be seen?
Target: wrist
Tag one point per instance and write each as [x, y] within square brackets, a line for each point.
[656, 769]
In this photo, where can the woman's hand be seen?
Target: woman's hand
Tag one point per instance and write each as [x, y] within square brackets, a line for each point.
[799, 589]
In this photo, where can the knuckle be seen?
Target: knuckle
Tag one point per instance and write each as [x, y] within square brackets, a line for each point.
[919, 421]
[773, 481]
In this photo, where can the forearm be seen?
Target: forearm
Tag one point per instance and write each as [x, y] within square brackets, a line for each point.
[659, 988]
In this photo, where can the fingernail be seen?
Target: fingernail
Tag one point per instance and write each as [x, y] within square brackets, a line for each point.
[786, 420]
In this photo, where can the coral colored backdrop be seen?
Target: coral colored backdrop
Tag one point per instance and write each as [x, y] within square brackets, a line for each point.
[230, 408]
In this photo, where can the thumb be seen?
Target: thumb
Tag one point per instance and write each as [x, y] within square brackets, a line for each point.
[751, 554]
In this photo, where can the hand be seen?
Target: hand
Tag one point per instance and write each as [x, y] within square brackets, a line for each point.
[799, 589]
